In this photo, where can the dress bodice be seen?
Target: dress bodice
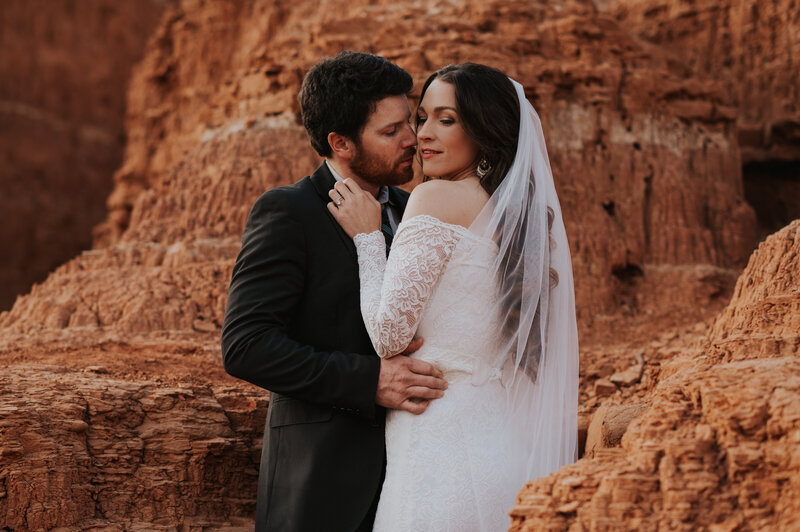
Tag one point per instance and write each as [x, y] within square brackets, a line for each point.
[436, 285]
[458, 322]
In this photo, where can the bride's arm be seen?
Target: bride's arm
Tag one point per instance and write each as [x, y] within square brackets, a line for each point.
[393, 295]
[394, 292]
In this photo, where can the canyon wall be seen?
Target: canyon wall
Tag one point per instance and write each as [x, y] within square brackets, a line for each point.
[64, 70]
[752, 49]
[117, 408]
[635, 140]
[716, 447]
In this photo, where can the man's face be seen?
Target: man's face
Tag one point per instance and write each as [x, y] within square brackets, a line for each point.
[385, 152]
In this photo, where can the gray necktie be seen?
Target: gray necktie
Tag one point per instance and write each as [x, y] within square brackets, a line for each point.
[386, 227]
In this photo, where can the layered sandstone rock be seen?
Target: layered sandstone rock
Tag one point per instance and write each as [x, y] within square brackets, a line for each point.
[645, 158]
[64, 67]
[133, 331]
[716, 448]
[752, 48]
[636, 143]
[82, 448]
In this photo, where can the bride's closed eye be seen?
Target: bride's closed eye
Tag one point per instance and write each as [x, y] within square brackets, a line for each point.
[443, 121]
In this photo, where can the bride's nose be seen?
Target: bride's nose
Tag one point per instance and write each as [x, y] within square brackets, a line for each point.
[424, 132]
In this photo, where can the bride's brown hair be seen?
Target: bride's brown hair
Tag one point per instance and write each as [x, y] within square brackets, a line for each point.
[488, 108]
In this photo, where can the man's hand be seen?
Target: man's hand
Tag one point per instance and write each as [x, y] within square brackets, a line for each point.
[409, 384]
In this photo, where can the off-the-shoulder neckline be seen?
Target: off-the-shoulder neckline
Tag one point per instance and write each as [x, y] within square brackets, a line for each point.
[436, 221]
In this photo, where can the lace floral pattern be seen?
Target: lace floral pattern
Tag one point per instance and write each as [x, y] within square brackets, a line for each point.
[394, 292]
[447, 469]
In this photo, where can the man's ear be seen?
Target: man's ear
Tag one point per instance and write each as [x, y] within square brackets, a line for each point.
[342, 146]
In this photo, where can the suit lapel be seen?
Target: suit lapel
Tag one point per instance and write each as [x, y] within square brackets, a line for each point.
[323, 182]
[398, 197]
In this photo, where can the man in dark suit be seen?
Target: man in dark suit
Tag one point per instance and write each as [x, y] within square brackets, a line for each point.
[293, 322]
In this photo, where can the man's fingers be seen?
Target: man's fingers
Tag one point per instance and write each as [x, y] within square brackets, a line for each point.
[415, 407]
[423, 368]
[423, 392]
[424, 381]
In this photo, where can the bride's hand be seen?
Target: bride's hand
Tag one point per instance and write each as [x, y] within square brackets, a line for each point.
[356, 210]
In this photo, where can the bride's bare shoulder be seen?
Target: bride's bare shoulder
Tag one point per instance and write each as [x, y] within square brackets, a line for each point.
[453, 202]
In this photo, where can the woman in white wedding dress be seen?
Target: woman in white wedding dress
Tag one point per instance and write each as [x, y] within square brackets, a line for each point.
[480, 270]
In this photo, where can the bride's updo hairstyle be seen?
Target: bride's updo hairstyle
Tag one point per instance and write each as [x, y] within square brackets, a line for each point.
[488, 108]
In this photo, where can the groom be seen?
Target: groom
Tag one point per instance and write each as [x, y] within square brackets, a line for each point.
[293, 322]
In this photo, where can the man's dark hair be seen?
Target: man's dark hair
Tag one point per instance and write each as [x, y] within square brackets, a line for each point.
[340, 92]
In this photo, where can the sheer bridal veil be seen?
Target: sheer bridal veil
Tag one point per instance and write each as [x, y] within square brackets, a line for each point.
[537, 355]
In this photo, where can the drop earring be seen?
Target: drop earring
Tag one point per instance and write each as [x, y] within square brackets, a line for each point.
[483, 167]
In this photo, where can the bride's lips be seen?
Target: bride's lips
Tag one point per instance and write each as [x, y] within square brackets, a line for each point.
[428, 153]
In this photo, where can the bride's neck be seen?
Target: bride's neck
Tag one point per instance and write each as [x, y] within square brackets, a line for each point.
[466, 173]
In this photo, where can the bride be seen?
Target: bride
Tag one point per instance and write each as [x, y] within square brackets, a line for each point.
[480, 269]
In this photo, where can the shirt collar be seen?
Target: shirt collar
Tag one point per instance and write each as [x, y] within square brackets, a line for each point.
[383, 192]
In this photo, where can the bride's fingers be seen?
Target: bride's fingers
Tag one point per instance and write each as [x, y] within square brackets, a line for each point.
[342, 188]
[353, 186]
[335, 196]
[334, 210]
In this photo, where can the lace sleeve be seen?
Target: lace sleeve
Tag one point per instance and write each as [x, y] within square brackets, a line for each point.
[394, 292]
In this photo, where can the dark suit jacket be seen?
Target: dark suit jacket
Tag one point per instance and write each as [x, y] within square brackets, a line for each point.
[293, 326]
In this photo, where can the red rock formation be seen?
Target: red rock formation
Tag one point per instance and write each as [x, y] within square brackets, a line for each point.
[752, 48]
[716, 449]
[81, 448]
[64, 67]
[635, 142]
[644, 154]
[133, 331]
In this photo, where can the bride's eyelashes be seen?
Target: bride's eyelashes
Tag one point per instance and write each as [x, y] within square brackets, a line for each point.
[444, 121]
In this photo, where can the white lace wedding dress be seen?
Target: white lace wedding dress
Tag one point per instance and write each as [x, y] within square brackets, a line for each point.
[447, 469]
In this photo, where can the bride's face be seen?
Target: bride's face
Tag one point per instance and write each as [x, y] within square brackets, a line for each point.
[446, 150]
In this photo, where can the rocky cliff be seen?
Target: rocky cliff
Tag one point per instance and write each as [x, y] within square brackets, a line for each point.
[64, 69]
[116, 409]
[751, 48]
[716, 447]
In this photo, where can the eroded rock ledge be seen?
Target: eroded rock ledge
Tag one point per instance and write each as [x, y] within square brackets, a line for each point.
[717, 446]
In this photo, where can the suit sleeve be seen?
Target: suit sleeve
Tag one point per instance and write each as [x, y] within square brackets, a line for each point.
[266, 286]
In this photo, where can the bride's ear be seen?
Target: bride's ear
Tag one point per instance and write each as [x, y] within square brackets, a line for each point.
[341, 146]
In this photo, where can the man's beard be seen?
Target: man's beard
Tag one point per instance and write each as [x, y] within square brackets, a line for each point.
[377, 171]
